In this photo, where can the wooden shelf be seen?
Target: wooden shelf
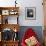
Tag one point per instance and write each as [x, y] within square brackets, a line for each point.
[11, 26]
[9, 8]
[9, 43]
[4, 13]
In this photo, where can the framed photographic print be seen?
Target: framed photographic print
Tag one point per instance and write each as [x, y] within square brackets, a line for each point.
[30, 13]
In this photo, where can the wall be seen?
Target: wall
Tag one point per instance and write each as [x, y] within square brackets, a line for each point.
[39, 13]
[6, 3]
[25, 3]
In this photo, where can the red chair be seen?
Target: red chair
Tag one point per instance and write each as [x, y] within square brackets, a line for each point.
[29, 33]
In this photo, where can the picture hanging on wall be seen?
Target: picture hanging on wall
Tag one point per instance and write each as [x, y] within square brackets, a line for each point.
[30, 13]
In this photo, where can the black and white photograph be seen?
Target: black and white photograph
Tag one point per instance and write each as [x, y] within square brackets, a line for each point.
[30, 13]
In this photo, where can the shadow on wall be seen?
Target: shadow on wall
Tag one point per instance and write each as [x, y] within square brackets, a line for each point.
[37, 29]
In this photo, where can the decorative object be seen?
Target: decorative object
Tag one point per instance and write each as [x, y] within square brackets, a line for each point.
[7, 34]
[30, 38]
[15, 3]
[6, 21]
[30, 13]
[31, 41]
[13, 12]
[15, 30]
[15, 37]
[5, 12]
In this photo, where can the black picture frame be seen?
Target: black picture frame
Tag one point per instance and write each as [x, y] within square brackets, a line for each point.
[30, 13]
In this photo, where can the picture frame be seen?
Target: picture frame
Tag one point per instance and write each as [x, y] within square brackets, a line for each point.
[30, 13]
[5, 12]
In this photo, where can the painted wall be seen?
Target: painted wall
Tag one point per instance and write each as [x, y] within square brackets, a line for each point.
[39, 13]
[25, 3]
